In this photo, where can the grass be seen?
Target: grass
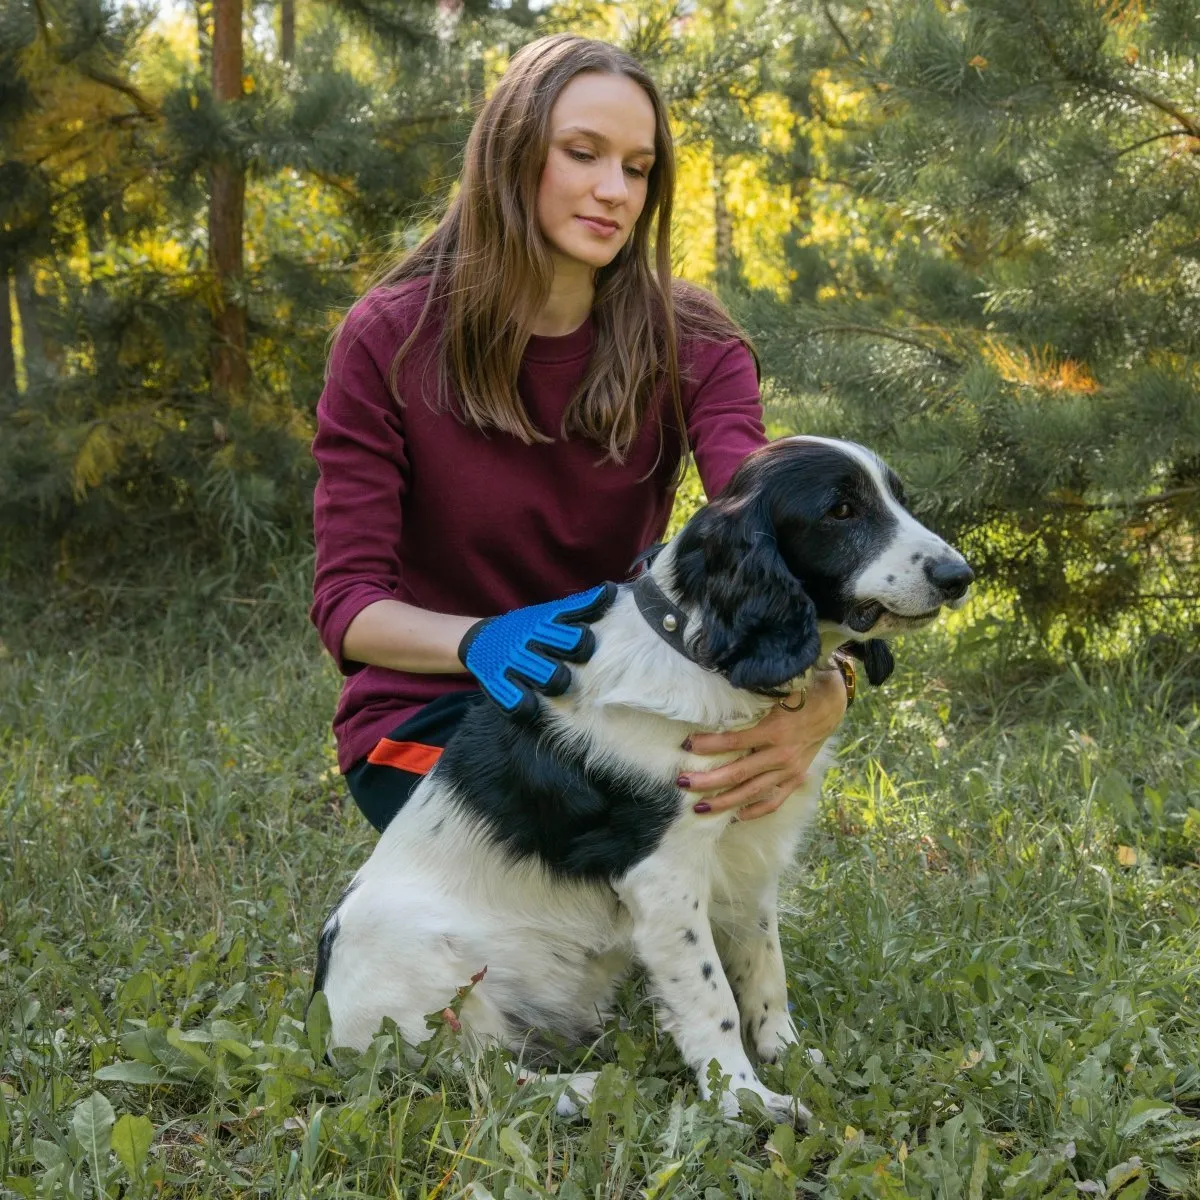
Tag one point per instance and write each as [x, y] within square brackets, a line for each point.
[993, 939]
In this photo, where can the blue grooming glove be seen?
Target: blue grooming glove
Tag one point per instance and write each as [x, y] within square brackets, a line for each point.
[526, 650]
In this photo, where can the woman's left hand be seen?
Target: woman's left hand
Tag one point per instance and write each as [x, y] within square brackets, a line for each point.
[778, 752]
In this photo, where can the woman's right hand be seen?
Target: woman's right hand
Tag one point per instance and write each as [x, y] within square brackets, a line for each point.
[526, 651]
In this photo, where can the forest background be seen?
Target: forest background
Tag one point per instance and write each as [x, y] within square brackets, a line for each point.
[963, 232]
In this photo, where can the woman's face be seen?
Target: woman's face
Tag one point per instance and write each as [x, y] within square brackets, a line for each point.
[593, 187]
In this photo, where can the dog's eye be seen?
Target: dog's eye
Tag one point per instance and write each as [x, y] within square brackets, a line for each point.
[841, 512]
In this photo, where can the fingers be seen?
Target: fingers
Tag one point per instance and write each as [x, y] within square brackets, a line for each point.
[757, 797]
[761, 808]
[741, 770]
[722, 743]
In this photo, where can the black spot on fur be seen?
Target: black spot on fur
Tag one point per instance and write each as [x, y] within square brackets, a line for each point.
[329, 932]
[917, 557]
[766, 1006]
[762, 1021]
[891, 579]
[876, 657]
[328, 936]
[537, 797]
[764, 923]
[689, 936]
[695, 905]
[726, 1025]
[742, 1076]
[706, 970]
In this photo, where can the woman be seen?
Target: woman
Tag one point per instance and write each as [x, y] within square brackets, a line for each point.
[504, 420]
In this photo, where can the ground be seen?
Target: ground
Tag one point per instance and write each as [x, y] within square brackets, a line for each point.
[992, 939]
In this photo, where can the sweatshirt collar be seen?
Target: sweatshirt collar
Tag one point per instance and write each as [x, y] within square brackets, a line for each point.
[573, 345]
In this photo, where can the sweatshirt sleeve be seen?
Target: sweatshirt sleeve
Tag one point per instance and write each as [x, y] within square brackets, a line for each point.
[359, 450]
[724, 411]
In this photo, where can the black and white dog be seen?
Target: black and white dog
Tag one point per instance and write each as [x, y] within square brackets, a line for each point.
[554, 854]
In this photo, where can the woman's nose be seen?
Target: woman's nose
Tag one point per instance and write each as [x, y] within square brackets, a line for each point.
[612, 184]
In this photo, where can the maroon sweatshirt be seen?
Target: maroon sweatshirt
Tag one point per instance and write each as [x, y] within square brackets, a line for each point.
[414, 505]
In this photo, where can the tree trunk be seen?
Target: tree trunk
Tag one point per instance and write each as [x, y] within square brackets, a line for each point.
[230, 369]
[723, 226]
[725, 267]
[287, 31]
[202, 10]
[37, 361]
[8, 361]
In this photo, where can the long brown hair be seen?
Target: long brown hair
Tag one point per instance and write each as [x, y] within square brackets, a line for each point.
[489, 265]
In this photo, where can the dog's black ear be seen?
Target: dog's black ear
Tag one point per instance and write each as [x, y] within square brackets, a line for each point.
[877, 659]
[758, 627]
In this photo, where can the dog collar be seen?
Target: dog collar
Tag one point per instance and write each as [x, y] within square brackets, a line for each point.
[668, 620]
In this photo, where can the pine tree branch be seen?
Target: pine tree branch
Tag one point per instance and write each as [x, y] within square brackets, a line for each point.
[1158, 498]
[108, 80]
[1187, 123]
[754, 54]
[331, 181]
[1154, 137]
[118, 121]
[890, 335]
[840, 33]
[852, 50]
[1025, 184]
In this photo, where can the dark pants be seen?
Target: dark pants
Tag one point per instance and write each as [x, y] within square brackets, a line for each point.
[384, 780]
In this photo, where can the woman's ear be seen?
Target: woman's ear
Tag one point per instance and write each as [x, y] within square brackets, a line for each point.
[876, 657]
[758, 627]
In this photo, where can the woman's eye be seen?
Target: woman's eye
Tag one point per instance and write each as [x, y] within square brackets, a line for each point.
[586, 156]
[841, 512]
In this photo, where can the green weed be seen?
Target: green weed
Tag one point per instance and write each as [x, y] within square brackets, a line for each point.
[992, 938]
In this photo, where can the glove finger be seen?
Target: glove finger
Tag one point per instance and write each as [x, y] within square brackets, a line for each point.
[536, 669]
[507, 694]
[593, 603]
[584, 648]
[557, 683]
[557, 639]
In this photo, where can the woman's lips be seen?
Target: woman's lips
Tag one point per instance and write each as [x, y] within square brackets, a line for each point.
[600, 228]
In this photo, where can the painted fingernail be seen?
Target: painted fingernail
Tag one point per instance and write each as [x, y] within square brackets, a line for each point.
[683, 781]
[701, 807]
[687, 744]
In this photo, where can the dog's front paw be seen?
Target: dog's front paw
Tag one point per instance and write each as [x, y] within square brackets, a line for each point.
[773, 1035]
[783, 1110]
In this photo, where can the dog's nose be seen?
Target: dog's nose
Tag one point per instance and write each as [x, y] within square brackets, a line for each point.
[950, 578]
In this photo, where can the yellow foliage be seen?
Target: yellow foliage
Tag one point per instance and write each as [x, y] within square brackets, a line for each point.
[693, 249]
[763, 219]
[98, 454]
[1039, 370]
[80, 120]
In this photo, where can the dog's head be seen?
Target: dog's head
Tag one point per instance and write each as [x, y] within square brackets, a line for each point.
[811, 541]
